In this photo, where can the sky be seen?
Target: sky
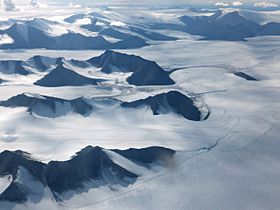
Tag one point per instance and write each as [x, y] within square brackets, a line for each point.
[254, 3]
[172, 1]
[144, 1]
[215, 3]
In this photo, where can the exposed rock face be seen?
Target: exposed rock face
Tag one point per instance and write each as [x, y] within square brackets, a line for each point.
[164, 103]
[89, 165]
[144, 72]
[245, 76]
[231, 26]
[13, 67]
[34, 33]
[62, 76]
[10, 164]
[48, 106]
[41, 63]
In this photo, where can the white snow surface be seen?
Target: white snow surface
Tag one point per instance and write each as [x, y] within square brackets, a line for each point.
[6, 39]
[230, 161]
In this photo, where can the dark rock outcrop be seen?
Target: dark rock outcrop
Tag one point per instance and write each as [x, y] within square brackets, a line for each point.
[231, 26]
[145, 72]
[89, 165]
[62, 76]
[164, 103]
[13, 67]
[10, 162]
[49, 106]
[245, 76]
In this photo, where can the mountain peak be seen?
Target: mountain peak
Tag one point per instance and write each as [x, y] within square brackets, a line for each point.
[144, 72]
[164, 103]
[47, 106]
[62, 76]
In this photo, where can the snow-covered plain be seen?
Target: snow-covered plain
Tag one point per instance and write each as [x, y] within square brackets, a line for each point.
[229, 161]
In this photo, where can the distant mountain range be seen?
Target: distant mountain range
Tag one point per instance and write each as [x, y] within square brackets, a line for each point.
[42, 33]
[26, 36]
[101, 33]
[228, 26]
[103, 25]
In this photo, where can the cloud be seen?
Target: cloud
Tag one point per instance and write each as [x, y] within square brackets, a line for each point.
[237, 3]
[84, 21]
[6, 39]
[34, 3]
[117, 23]
[37, 4]
[74, 5]
[265, 4]
[221, 4]
[9, 5]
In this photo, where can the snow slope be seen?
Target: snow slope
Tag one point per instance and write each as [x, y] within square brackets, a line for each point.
[92, 167]
[228, 161]
[5, 182]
